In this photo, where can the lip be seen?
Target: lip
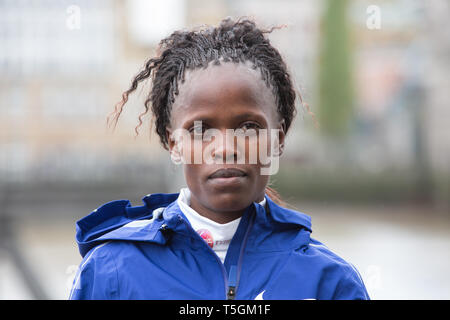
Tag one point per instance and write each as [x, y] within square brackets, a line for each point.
[227, 173]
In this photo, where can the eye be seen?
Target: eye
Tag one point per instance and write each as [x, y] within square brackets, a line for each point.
[248, 129]
[198, 128]
[250, 125]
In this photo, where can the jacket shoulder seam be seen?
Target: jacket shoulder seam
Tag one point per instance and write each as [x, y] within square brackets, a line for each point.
[110, 254]
[350, 273]
[89, 256]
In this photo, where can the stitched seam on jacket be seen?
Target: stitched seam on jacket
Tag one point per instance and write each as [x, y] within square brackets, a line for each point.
[117, 273]
[78, 277]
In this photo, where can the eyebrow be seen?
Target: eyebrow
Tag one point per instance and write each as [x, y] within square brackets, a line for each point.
[239, 117]
[245, 115]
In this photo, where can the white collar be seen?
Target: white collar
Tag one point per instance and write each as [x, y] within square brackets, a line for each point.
[184, 201]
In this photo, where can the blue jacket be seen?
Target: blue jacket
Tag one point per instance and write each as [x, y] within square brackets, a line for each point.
[152, 252]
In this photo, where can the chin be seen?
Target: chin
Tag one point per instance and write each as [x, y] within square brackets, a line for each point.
[230, 202]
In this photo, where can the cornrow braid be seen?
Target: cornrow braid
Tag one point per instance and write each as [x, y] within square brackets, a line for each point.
[232, 41]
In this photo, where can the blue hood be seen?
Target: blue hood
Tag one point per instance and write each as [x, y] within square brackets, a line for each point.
[116, 220]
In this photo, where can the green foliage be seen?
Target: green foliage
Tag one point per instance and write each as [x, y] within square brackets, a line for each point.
[335, 75]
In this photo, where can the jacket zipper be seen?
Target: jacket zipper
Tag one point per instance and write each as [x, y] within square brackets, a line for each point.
[234, 276]
[231, 281]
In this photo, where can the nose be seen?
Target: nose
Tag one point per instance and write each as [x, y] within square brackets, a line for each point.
[226, 148]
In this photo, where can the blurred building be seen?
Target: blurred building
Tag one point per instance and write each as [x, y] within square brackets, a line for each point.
[63, 66]
[401, 124]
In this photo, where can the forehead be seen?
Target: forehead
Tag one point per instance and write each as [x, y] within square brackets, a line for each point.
[230, 87]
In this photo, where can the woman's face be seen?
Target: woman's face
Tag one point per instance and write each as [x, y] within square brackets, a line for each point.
[222, 170]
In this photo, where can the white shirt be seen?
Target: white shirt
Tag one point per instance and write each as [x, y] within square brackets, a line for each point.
[217, 235]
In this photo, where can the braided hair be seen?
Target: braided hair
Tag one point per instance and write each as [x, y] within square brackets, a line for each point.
[231, 41]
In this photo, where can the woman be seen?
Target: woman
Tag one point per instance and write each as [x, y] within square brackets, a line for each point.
[226, 235]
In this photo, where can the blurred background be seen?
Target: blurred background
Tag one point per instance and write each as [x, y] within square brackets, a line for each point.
[368, 157]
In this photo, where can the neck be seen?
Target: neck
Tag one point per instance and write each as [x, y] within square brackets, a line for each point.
[216, 216]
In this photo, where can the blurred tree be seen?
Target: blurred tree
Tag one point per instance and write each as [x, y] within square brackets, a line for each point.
[335, 76]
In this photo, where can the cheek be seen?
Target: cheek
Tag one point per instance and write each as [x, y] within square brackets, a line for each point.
[251, 148]
[188, 150]
[263, 180]
[257, 148]
[192, 174]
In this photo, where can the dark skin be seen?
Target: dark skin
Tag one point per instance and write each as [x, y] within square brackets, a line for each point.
[226, 96]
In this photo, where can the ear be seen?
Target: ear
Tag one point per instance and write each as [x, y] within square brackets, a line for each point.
[281, 136]
[169, 138]
[173, 146]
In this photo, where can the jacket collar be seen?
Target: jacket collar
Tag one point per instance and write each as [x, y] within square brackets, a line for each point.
[119, 220]
[275, 213]
[287, 216]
